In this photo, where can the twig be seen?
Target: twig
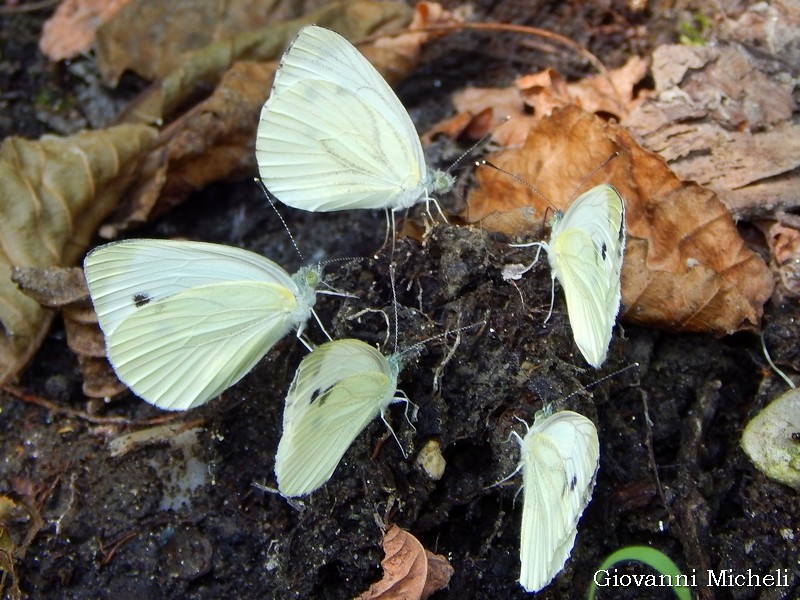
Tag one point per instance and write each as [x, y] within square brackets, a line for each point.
[27, 7]
[79, 414]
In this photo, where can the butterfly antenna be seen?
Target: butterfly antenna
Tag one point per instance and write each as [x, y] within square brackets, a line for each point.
[486, 163]
[343, 259]
[441, 335]
[480, 142]
[599, 381]
[271, 201]
[332, 291]
[590, 175]
[394, 306]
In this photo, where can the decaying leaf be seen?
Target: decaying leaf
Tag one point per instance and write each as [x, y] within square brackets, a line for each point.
[64, 289]
[151, 38]
[53, 194]
[72, 27]
[610, 93]
[722, 116]
[210, 142]
[686, 266]
[201, 70]
[9, 585]
[20, 516]
[214, 139]
[410, 572]
[783, 238]
[535, 96]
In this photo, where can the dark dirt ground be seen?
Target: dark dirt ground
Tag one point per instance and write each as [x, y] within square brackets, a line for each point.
[182, 519]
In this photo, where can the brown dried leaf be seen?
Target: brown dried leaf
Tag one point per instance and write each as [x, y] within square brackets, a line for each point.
[439, 573]
[214, 139]
[72, 27]
[64, 289]
[609, 94]
[409, 571]
[210, 142]
[53, 194]
[498, 103]
[203, 69]
[783, 239]
[7, 566]
[686, 267]
[722, 116]
[152, 38]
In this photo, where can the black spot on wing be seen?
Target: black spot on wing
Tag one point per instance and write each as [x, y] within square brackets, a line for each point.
[573, 482]
[141, 299]
[320, 395]
[603, 250]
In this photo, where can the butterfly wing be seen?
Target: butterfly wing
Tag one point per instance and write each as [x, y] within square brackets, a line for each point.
[333, 135]
[585, 253]
[183, 350]
[124, 276]
[185, 320]
[337, 390]
[560, 457]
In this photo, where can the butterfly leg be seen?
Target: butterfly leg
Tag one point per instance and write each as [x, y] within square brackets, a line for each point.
[321, 326]
[394, 435]
[552, 298]
[389, 227]
[301, 335]
[408, 403]
[510, 475]
[428, 201]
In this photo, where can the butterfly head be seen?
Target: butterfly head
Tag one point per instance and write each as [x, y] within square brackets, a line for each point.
[439, 182]
[557, 216]
[307, 279]
[396, 363]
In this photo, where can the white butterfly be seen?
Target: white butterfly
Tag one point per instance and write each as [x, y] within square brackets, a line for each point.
[334, 136]
[585, 252]
[183, 321]
[559, 458]
[338, 389]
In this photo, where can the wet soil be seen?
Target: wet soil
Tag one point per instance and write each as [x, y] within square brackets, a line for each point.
[182, 518]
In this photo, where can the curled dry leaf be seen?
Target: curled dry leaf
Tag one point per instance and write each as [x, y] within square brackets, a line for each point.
[64, 289]
[20, 521]
[210, 142]
[410, 572]
[611, 93]
[213, 140]
[151, 38]
[201, 70]
[535, 96]
[722, 116]
[53, 194]
[783, 238]
[686, 266]
[72, 27]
